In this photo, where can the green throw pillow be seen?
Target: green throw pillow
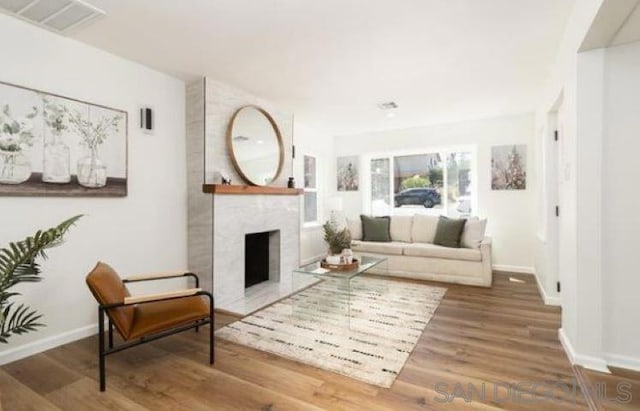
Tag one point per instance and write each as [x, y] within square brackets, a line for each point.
[449, 231]
[376, 228]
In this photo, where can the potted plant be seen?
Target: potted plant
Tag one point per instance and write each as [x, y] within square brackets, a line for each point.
[56, 161]
[92, 171]
[18, 265]
[16, 134]
[337, 239]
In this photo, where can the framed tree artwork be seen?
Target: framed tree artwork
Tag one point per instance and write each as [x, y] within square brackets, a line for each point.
[509, 167]
[52, 145]
[347, 173]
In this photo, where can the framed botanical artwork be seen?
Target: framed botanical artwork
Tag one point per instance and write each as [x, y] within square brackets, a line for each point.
[52, 145]
[347, 173]
[509, 167]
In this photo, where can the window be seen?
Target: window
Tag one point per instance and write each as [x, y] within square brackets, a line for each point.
[438, 182]
[459, 175]
[310, 190]
[380, 186]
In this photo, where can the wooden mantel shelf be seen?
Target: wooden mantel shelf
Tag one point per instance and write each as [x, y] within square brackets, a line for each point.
[255, 190]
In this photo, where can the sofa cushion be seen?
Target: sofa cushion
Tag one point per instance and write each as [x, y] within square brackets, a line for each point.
[392, 248]
[401, 228]
[424, 228]
[437, 251]
[355, 228]
[473, 232]
[375, 228]
[449, 231]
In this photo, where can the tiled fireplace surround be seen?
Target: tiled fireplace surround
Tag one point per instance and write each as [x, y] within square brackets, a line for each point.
[234, 216]
[217, 223]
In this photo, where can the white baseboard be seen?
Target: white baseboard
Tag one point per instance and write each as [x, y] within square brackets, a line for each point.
[44, 344]
[592, 363]
[548, 300]
[513, 268]
[587, 361]
[568, 348]
[621, 361]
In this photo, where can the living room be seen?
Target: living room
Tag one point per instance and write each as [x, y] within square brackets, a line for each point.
[316, 179]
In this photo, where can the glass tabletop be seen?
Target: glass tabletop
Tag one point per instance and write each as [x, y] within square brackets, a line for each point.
[366, 263]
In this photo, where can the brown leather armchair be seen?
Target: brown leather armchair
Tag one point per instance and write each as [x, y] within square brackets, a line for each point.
[148, 317]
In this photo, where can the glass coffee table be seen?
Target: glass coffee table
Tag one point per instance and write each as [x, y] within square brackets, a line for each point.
[328, 296]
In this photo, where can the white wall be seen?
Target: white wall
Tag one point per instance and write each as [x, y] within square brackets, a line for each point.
[511, 214]
[565, 83]
[588, 201]
[596, 235]
[143, 232]
[309, 141]
[620, 205]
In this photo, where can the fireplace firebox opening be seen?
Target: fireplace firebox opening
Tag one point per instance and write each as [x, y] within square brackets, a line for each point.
[261, 257]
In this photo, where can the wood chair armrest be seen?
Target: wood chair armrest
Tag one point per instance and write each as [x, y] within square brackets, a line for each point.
[162, 276]
[156, 276]
[160, 296]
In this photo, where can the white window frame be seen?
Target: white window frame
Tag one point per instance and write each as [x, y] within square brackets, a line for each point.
[444, 150]
[316, 190]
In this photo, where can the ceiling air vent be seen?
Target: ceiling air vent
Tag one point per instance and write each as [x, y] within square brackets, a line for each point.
[57, 15]
[387, 105]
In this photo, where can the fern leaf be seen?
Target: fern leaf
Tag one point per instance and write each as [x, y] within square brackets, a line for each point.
[25, 252]
[18, 265]
[18, 321]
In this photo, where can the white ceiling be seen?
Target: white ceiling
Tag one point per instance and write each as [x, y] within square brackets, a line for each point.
[333, 61]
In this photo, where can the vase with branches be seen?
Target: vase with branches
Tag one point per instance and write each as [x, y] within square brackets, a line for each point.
[56, 161]
[16, 134]
[92, 171]
[338, 239]
[18, 264]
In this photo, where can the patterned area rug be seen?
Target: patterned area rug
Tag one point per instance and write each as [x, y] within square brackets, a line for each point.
[364, 330]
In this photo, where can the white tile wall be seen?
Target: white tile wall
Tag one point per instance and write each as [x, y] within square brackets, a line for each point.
[237, 215]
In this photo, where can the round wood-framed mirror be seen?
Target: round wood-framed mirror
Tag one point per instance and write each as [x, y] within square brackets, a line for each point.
[255, 145]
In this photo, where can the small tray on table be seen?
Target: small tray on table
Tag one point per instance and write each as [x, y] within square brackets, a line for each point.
[340, 267]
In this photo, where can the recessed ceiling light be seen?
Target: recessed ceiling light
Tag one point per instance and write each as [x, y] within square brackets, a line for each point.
[391, 114]
[260, 142]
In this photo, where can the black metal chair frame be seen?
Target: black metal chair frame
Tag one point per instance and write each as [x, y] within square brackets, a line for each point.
[102, 308]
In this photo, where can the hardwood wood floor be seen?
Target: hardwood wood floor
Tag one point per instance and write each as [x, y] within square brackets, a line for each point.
[491, 337]
[618, 391]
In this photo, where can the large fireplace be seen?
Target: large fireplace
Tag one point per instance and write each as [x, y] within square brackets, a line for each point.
[256, 240]
[261, 257]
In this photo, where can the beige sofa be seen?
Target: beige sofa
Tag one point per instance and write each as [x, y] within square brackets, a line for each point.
[412, 254]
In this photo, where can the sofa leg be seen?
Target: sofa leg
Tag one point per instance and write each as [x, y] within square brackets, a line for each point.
[101, 354]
